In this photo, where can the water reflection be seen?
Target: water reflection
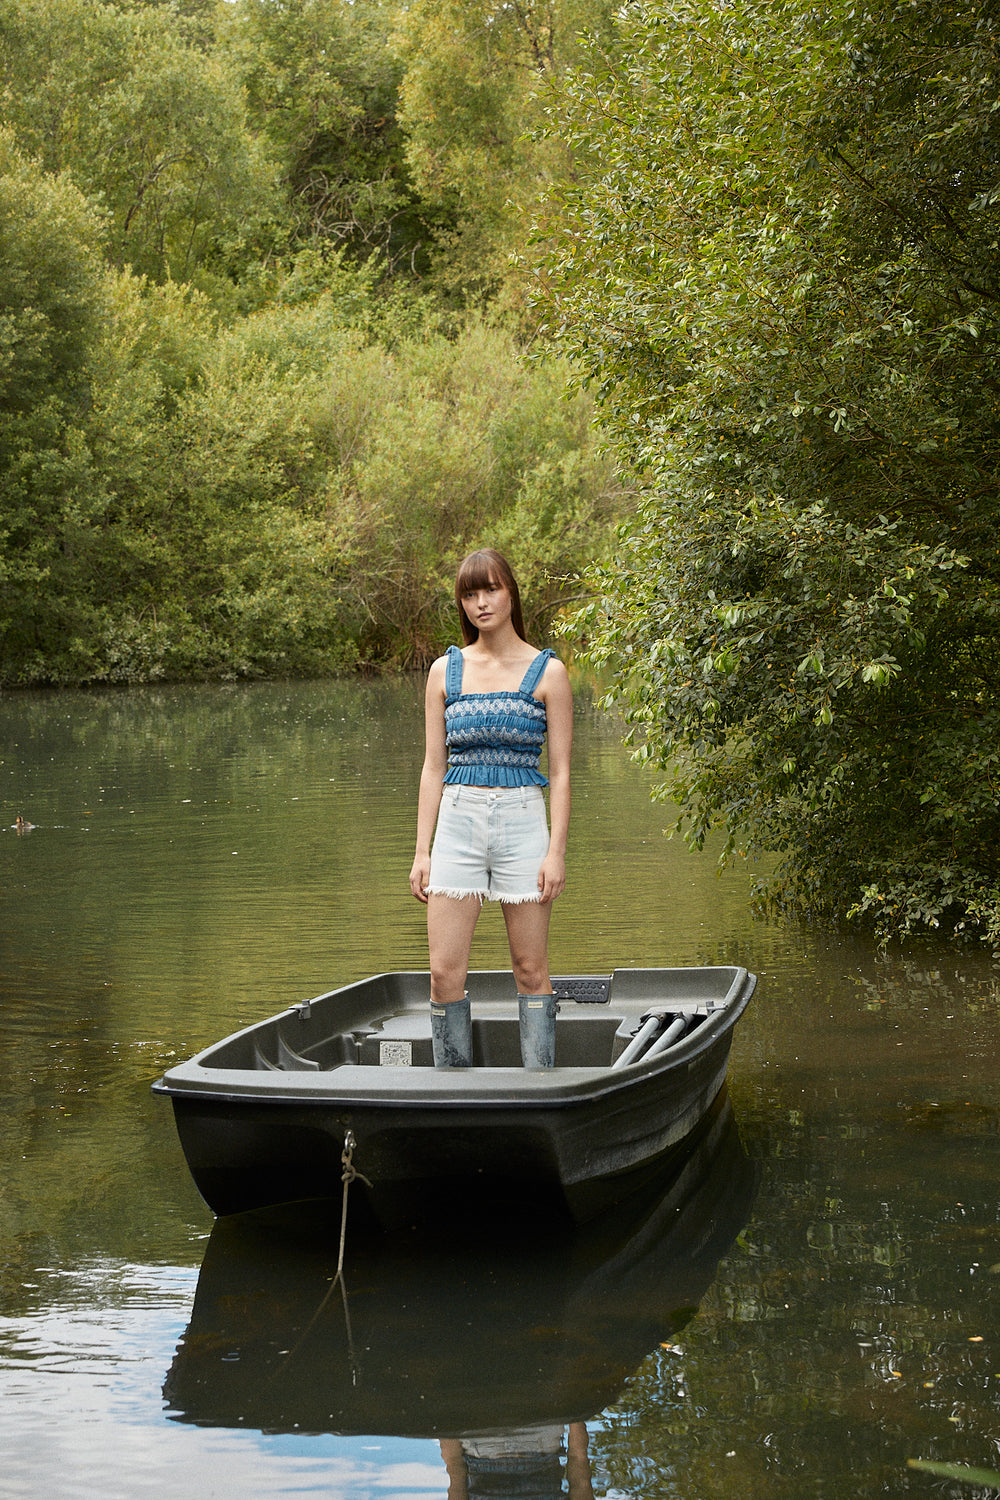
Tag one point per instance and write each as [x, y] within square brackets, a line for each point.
[195, 866]
[525, 1464]
[495, 1342]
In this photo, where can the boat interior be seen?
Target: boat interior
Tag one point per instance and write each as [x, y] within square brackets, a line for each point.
[607, 1021]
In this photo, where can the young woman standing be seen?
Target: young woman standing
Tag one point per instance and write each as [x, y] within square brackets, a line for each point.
[488, 709]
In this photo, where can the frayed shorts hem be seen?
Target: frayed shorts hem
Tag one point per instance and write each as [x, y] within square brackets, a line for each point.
[460, 895]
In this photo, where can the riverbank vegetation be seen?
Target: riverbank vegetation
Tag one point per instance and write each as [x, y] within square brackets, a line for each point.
[291, 293]
[782, 273]
[261, 349]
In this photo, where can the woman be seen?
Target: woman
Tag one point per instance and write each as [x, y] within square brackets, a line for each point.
[488, 708]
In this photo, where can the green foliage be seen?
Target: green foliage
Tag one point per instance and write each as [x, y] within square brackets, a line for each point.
[217, 567]
[962, 1472]
[49, 274]
[237, 434]
[315, 491]
[50, 306]
[290, 495]
[469, 96]
[321, 85]
[438, 448]
[147, 123]
[781, 274]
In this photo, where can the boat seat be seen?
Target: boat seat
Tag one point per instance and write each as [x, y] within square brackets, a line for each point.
[329, 1054]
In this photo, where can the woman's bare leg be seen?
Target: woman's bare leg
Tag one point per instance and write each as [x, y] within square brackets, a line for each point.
[451, 923]
[528, 937]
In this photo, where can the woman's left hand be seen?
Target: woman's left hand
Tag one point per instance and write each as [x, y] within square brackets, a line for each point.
[551, 878]
[420, 874]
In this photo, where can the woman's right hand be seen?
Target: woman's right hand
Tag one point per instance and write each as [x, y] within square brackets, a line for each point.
[420, 874]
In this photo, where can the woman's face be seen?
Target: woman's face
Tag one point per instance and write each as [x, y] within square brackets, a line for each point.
[488, 606]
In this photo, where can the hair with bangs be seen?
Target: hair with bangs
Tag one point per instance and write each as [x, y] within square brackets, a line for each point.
[477, 571]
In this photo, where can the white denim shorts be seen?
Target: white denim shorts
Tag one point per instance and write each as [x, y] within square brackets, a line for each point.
[489, 843]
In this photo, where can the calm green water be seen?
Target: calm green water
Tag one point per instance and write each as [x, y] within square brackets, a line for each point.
[805, 1314]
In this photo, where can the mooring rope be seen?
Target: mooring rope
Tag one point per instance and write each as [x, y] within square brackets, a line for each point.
[348, 1175]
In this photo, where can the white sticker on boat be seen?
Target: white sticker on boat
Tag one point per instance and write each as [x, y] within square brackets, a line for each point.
[395, 1054]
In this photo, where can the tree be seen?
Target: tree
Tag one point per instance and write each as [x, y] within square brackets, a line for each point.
[147, 123]
[473, 74]
[321, 85]
[781, 273]
[216, 559]
[51, 293]
[218, 465]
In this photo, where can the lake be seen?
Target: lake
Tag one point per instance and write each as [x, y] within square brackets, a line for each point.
[811, 1306]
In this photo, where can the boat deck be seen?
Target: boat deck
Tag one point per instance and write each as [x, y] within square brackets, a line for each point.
[404, 1040]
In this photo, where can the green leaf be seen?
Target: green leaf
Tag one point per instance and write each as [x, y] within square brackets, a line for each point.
[956, 1471]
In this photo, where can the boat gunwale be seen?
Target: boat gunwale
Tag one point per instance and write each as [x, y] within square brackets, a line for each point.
[475, 1089]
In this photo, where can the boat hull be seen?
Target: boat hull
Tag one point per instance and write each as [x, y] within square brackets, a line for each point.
[566, 1318]
[569, 1139]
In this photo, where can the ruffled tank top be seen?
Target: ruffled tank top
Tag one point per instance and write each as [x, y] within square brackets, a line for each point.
[494, 739]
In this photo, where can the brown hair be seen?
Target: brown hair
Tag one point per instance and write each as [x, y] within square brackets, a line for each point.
[477, 571]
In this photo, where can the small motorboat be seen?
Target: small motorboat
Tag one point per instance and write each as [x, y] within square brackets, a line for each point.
[345, 1082]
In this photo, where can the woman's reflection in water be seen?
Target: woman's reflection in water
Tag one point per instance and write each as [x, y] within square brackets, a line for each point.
[523, 1464]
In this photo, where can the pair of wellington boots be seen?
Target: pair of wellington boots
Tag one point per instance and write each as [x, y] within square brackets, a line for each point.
[451, 1032]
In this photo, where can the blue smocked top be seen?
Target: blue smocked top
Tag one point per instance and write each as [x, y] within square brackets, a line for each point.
[494, 739]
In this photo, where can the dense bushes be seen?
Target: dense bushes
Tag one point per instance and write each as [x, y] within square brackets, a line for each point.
[242, 430]
[285, 494]
[783, 274]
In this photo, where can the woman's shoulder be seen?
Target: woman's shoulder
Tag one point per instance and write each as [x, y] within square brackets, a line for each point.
[552, 662]
[554, 678]
[445, 674]
[436, 674]
[440, 663]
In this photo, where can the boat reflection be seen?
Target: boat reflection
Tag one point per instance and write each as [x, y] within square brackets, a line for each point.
[495, 1338]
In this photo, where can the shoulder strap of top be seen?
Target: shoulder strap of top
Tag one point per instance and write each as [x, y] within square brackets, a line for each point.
[533, 675]
[453, 673]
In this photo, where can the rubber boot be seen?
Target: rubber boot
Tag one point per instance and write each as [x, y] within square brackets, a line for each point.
[536, 1016]
[451, 1034]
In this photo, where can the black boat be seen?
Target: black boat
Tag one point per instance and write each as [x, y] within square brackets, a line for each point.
[270, 1114]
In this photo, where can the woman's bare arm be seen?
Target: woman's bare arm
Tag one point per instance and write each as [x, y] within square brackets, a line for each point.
[558, 700]
[431, 777]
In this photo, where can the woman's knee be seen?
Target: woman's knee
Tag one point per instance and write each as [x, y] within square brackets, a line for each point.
[448, 976]
[532, 975]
